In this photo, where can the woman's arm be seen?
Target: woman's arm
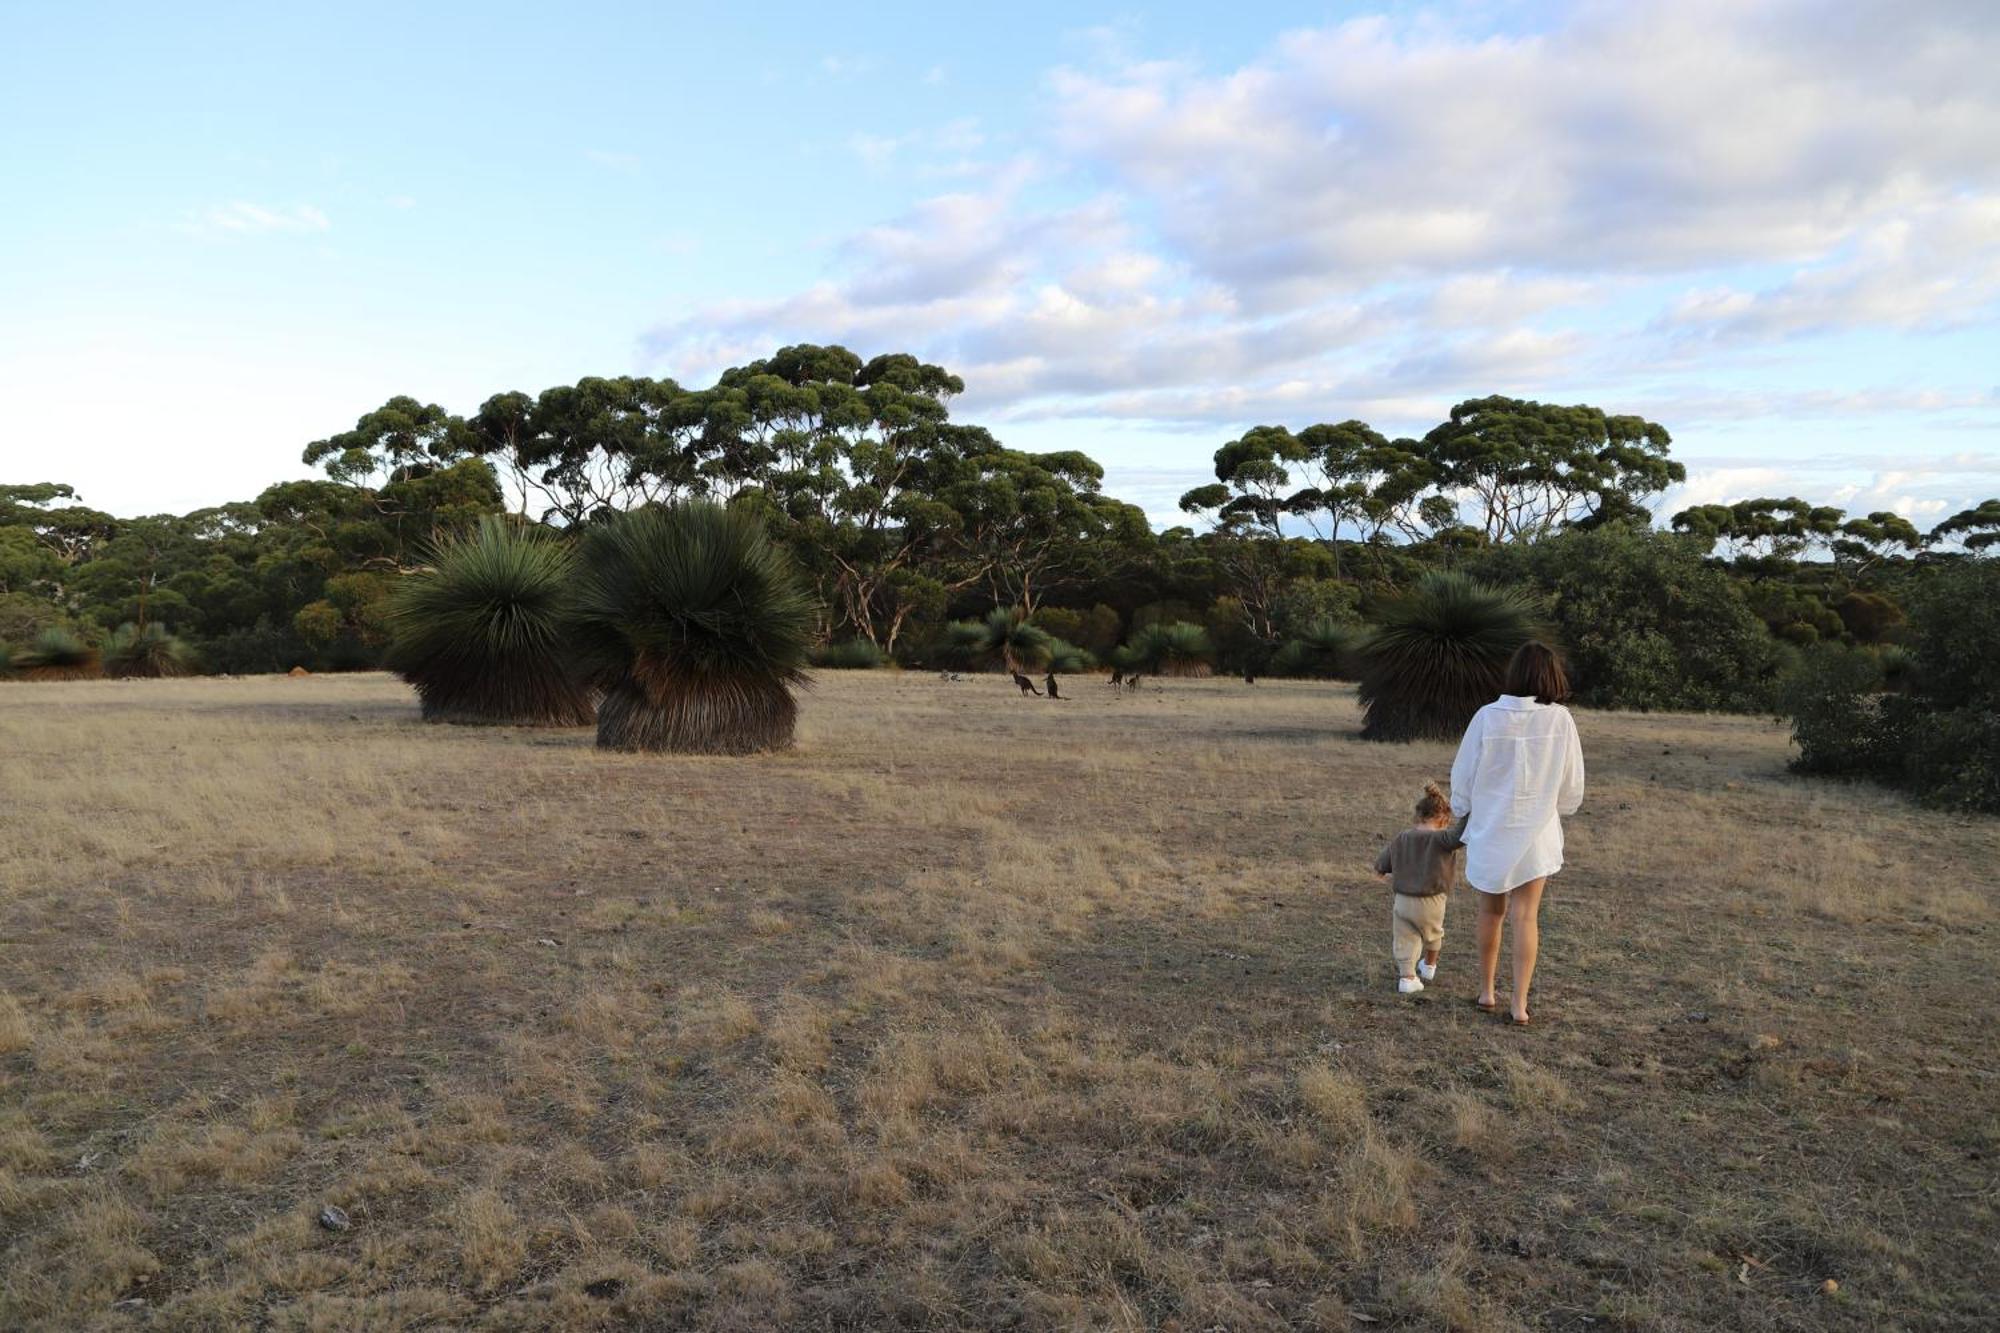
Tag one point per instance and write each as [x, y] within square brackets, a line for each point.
[1570, 796]
[1465, 768]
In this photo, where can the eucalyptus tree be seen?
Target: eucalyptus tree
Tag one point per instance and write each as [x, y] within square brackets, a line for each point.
[1976, 529]
[1532, 468]
[1762, 529]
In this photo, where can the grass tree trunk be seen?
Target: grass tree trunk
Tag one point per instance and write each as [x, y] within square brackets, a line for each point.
[658, 709]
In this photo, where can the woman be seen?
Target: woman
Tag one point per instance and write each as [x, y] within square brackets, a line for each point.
[1519, 770]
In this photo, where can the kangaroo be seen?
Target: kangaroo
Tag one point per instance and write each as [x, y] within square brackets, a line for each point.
[1117, 676]
[1132, 682]
[1050, 681]
[1027, 686]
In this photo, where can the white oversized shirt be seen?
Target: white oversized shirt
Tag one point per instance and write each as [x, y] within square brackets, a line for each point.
[1519, 770]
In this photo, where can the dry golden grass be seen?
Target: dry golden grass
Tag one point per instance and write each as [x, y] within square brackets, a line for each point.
[972, 1011]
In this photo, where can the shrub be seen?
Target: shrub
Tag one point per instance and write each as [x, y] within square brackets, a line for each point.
[483, 635]
[1941, 738]
[57, 654]
[1437, 654]
[6, 661]
[1174, 648]
[1324, 650]
[695, 626]
[1066, 659]
[1645, 622]
[1006, 639]
[1830, 695]
[149, 652]
[1870, 617]
[1095, 631]
[848, 655]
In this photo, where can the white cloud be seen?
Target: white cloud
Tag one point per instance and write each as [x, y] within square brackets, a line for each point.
[1376, 218]
[241, 218]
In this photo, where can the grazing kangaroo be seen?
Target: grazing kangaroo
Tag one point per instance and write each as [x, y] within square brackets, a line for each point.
[1132, 682]
[1050, 681]
[1027, 686]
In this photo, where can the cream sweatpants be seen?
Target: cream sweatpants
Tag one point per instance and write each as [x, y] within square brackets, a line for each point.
[1416, 924]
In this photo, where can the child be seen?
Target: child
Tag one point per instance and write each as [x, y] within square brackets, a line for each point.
[1422, 863]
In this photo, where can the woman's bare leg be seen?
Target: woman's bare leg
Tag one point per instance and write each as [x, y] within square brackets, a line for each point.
[1492, 912]
[1524, 909]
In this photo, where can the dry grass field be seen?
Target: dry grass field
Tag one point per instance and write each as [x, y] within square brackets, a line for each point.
[971, 1012]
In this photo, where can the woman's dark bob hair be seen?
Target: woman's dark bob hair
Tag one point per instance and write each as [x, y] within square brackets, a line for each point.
[1537, 669]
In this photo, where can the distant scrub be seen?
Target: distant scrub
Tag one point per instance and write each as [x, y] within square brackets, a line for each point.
[1173, 648]
[1645, 622]
[1940, 738]
[847, 655]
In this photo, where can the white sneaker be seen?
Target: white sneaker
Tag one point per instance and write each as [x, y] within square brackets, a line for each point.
[1428, 971]
[1408, 985]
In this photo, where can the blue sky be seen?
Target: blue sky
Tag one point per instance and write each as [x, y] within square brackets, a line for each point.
[229, 230]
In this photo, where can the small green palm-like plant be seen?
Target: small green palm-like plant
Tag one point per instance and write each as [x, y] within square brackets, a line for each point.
[1438, 654]
[1006, 639]
[483, 635]
[151, 652]
[696, 628]
[57, 654]
[1324, 650]
[1066, 659]
[1174, 649]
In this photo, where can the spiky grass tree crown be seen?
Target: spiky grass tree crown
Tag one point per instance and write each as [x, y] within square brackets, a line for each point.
[149, 652]
[57, 654]
[1067, 659]
[1174, 649]
[1005, 638]
[1323, 650]
[483, 635]
[696, 627]
[1437, 655]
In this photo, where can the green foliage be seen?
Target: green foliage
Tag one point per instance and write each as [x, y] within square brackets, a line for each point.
[1005, 639]
[149, 652]
[1096, 631]
[1066, 658]
[847, 655]
[1323, 650]
[1303, 603]
[6, 661]
[483, 634]
[1830, 696]
[1438, 653]
[1870, 617]
[1976, 529]
[1646, 623]
[1534, 467]
[58, 654]
[1175, 648]
[695, 625]
[1940, 738]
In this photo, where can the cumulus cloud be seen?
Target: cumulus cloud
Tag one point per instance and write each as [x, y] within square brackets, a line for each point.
[1377, 217]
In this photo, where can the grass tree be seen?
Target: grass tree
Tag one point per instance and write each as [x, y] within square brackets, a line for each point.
[1172, 649]
[58, 654]
[149, 651]
[1066, 659]
[1323, 650]
[1006, 638]
[484, 634]
[1437, 654]
[697, 627]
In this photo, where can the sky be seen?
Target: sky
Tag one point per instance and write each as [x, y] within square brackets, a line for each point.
[1774, 228]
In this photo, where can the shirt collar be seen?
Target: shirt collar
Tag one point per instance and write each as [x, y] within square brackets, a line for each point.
[1521, 702]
